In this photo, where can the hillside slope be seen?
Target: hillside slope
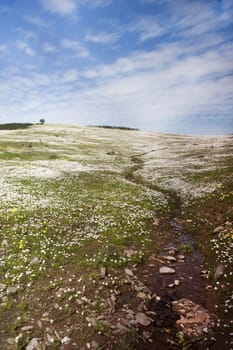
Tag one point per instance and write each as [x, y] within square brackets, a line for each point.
[88, 216]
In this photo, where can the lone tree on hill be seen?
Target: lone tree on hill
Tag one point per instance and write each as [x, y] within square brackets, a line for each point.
[42, 121]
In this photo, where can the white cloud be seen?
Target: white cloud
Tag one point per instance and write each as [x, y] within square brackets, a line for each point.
[187, 77]
[3, 49]
[27, 34]
[22, 45]
[96, 3]
[76, 46]
[101, 38]
[49, 48]
[143, 89]
[70, 75]
[62, 7]
[37, 21]
[147, 27]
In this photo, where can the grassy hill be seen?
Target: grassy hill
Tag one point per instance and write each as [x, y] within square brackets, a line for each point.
[84, 211]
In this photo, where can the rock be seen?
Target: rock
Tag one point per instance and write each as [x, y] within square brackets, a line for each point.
[181, 257]
[167, 249]
[57, 335]
[120, 329]
[164, 270]
[129, 253]
[92, 321]
[156, 221]
[194, 319]
[176, 282]
[170, 258]
[4, 243]
[219, 271]
[141, 307]
[33, 344]
[151, 313]
[18, 338]
[10, 341]
[85, 299]
[129, 272]
[65, 340]
[103, 272]
[50, 338]
[146, 334]
[112, 303]
[140, 287]
[94, 345]
[27, 328]
[142, 319]
[35, 261]
[142, 295]
[218, 229]
[106, 323]
[40, 324]
[11, 290]
[2, 286]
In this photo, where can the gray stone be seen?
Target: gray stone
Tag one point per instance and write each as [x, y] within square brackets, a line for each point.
[194, 319]
[4, 243]
[167, 249]
[219, 271]
[170, 258]
[142, 295]
[27, 328]
[94, 345]
[66, 340]
[129, 272]
[218, 229]
[11, 290]
[10, 341]
[164, 270]
[2, 286]
[92, 321]
[33, 344]
[120, 329]
[181, 257]
[50, 338]
[35, 261]
[129, 252]
[142, 319]
[103, 272]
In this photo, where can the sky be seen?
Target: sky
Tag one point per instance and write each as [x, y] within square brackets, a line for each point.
[159, 65]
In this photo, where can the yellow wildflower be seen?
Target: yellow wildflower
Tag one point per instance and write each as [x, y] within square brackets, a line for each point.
[21, 244]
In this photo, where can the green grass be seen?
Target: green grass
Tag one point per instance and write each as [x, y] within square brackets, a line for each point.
[90, 223]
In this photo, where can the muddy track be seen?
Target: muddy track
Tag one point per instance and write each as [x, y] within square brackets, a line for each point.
[172, 238]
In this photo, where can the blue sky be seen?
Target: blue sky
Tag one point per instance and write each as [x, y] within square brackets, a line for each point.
[160, 65]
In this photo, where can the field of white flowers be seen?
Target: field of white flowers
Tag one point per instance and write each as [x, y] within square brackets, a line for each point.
[76, 199]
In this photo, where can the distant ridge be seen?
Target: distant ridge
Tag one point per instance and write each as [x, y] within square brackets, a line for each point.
[114, 127]
[14, 126]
